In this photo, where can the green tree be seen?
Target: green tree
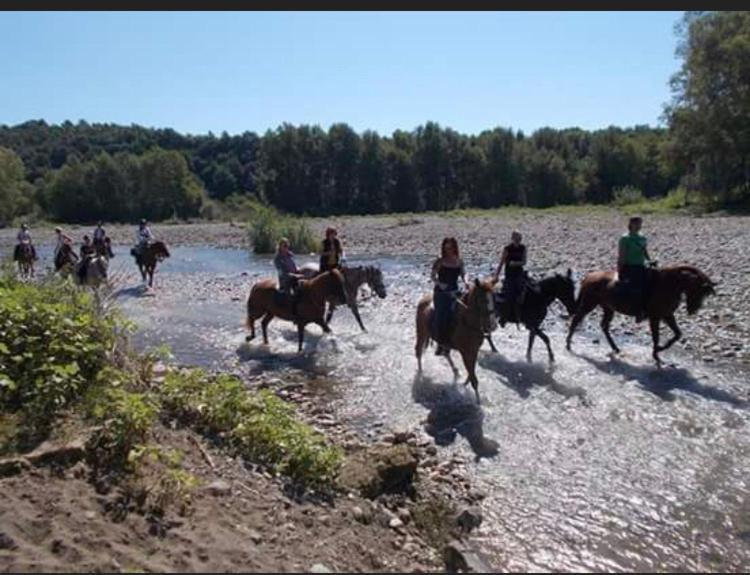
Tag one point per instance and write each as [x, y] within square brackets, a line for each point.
[16, 195]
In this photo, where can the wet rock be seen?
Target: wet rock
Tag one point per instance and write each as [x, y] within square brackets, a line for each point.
[219, 488]
[380, 469]
[461, 557]
[7, 542]
[359, 514]
[469, 519]
[13, 466]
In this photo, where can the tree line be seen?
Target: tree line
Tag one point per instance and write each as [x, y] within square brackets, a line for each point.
[83, 172]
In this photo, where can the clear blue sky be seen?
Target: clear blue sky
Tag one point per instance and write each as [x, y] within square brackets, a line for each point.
[238, 71]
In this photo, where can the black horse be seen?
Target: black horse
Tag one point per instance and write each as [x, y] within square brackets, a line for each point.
[534, 307]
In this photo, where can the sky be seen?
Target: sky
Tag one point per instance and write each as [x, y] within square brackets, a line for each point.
[252, 71]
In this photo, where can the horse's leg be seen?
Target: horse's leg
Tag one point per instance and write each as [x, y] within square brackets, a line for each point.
[264, 324]
[355, 311]
[492, 344]
[329, 315]
[300, 335]
[543, 336]
[470, 362]
[654, 323]
[585, 307]
[532, 335]
[605, 323]
[447, 355]
[676, 333]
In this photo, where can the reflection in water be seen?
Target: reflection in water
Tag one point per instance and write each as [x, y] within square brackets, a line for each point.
[585, 466]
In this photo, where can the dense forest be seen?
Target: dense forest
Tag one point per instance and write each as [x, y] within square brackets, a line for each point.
[83, 172]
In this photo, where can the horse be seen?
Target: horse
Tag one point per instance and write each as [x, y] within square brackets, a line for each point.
[148, 257]
[473, 318]
[667, 286]
[96, 271]
[263, 301]
[354, 277]
[104, 248]
[65, 259]
[24, 255]
[534, 307]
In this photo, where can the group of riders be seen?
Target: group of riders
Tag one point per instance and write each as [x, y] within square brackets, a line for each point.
[98, 244]
[449, 268]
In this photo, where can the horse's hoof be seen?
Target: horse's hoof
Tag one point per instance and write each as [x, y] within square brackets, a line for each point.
[249, 338]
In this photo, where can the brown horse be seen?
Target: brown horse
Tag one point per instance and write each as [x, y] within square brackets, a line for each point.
[667, 286]
[473, 318]
[65, 259]
[148, 257]
[103, 248]
[265, 301]
[24, 255]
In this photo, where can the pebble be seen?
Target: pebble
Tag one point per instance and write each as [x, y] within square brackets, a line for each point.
[319, 568]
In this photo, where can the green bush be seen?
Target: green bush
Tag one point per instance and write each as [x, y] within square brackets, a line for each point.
[256, 425]
[267, 226]
[53, 343]
[627, 195]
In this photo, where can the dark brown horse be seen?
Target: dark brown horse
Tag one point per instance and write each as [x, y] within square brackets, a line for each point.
[24, 255]
[104, 248]
[667, 286]
[474, 317]
[534, 307]
[65, 259]
[148, 257]
[267, 302]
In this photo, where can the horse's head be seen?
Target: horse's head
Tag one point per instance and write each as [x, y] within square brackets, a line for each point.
[375, 280]
[697, 286]
[481, 301]
[160, 250]
[565, 290]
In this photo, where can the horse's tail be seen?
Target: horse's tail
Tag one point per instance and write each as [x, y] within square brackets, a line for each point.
[248, 321]
[423, 330]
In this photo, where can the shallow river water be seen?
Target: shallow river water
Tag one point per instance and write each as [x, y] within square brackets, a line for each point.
[597, 463]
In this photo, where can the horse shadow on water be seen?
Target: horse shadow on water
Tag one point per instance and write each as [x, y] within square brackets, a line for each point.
[313, 361]
[452, 412]
[661, 382]
[522, 376]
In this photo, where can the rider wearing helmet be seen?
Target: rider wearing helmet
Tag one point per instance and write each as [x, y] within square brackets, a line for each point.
[24, 237]
[632, 256]
[143, 237]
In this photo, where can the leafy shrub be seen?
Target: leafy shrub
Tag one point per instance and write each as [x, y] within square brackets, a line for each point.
[627, 195]
[256, 425]
[125, 418]
[267, 226]
[53, 343]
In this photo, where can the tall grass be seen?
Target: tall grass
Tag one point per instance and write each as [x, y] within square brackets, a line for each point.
[267, 226]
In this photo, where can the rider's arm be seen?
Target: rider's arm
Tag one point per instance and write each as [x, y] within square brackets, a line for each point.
[620, 254]
[645, 253]
[523, 260]
[462, 273]
[435, 269]
[500, 265]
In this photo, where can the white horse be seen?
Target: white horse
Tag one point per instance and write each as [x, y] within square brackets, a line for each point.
[354, 277]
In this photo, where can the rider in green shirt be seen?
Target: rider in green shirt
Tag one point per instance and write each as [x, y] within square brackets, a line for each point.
[631, 264]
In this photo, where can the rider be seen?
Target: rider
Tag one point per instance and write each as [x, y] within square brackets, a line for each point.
[445, 273]
[87, 252]
[332, 253]
[143, 237]
[632, 256]
[288, 273]
[24, 237]
[63, 239]
[514, 260]
[100, 237]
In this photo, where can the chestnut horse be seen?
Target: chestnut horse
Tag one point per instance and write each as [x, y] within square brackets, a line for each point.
[473, 318]
[264, 301]
[667, 286]
[149, 256]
